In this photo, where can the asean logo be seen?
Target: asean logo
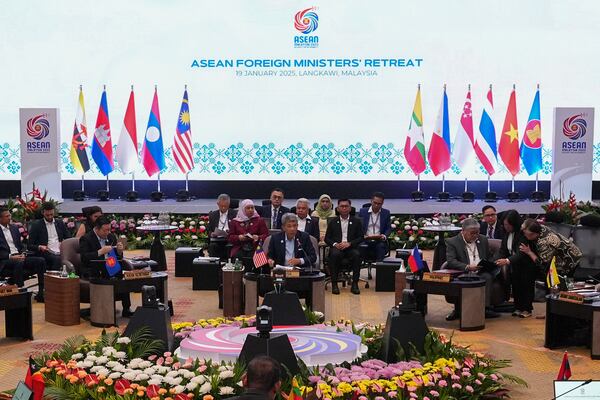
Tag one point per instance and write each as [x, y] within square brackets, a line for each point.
[111, 262]
[306, 22]
[575, 127]
[38, 127]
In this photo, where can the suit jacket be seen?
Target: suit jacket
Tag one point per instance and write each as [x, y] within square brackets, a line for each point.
[38, 233]
[456, 251]
[89, 245]
[303, 248]
[385, 226]
[312, 227]
[334, 232]
[265, 212]
[498, 232]
[515, 256]
[4, 249]
[213, 219]
[256, 226]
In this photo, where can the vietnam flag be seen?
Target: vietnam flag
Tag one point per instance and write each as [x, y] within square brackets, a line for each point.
[509, 140]
[414, 148]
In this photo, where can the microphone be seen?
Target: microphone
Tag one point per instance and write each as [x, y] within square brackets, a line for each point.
[306, 258]
[569, 391]
[593, 278]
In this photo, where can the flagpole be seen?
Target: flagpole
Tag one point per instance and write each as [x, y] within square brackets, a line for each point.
[107, 184]
[513, 184]
[133, 181]
[443, 182]
[466, 184]
[158, 181]
[418, 182]
[186, 181]
[82, 183]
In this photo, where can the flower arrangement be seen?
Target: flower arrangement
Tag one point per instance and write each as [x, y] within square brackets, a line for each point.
[407, 231]
[567, 209]
[29, 207]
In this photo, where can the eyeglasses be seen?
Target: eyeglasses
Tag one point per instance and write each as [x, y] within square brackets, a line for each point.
[489, 215]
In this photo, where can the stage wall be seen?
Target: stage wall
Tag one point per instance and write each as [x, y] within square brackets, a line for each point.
[345, 118]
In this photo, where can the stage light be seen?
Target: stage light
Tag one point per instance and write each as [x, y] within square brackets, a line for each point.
[78, 195]
[264, 321]
[149, 298]
[131, 196]
[491, 197]
[183, 195]
[157, 196]
[418, 195]
[538, 196]
[468, 197]
[103, 195]
[513, 196]
[443, 196]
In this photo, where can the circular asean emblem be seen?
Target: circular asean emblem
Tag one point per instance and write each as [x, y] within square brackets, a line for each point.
[38, 127]
[575, 127]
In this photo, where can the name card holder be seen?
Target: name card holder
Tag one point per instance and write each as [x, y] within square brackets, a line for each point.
[571, 297]
[137, 274]
[9, 290]
[436, 277]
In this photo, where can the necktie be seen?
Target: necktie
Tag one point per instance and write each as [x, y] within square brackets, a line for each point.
[274, 218]
[490, 234]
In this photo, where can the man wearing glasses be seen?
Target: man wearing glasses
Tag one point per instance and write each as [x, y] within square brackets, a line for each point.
[489, 227]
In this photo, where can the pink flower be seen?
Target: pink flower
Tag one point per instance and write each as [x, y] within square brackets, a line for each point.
[469, 389]
[442, 383]
[392, 393]
[434, 393]
[152, 357]
[413, 395]
[202, 368]
[167, 354]
[455, 377]
[456, 386]
[465, 373]
[494, 377]
[411, 388]
[469, 362]
[477, 382]
[481, 375]
[379, 398]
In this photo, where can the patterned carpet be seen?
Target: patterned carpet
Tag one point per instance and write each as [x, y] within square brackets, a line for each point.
[520, 340]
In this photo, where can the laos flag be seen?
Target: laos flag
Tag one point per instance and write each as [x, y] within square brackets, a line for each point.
[531, 146]
[153, 154]
[102, 151]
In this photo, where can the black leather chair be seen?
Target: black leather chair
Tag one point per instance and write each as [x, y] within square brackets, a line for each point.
[587, 239]
[564, 229]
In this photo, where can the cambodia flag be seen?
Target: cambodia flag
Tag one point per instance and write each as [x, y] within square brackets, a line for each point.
[102, 151]
[485, 139]
[531, 146]
[415, 262]
[153, 154]
[439, 148]
[112, 264]
[509, 141]
[565, 369]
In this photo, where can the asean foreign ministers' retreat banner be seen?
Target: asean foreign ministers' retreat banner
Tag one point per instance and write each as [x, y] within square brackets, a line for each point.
[40, 161]
[573, 145]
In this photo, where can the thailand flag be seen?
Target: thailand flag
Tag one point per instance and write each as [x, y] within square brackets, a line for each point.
[531, 145]
[102, 151]
[415, 262]
[439, 148]
[153, 154]
[485, 138]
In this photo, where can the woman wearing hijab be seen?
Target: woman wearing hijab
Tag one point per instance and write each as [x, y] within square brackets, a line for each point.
[246, 230]
[323, 210]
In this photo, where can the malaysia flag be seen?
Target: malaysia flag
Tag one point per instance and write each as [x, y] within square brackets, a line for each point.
[153, 154]
[102, 151]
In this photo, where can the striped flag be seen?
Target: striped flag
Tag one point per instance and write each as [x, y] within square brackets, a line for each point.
[552, 279]
[182, 145]
[153, 154]
[259, 258]
[531, 145]
[102, 151]
[509, 141]
[439, 148]
[414, 148]
[485, 138]
[127, 154]
[415, 262]
[79, 157]
[464, 142]
[564, 373]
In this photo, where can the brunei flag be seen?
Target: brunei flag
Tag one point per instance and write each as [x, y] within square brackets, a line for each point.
[552, 279]
[79, 157]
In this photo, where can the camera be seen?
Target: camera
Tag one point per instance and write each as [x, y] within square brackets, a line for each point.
[264, 321]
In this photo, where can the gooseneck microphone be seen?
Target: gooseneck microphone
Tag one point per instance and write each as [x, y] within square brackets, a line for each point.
[569, 391]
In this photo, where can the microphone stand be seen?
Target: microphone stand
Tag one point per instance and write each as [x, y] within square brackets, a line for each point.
[569, 391]
[307, 259]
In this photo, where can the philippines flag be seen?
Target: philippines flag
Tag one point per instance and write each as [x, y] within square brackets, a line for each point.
[485, 138]
[531, 146]
[153, 154]
[127, 154]
[439, 148]
[465, 141]
[102, 151]
[182, 145]
[415, 262]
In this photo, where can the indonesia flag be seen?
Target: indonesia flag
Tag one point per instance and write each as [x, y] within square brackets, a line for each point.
[464, 143]
[102, 151]
[127, 155]
[439, 148]
[182, 145]
[485, 138]
[153, 154]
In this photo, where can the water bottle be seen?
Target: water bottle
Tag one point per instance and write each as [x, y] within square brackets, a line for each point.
[63, 272]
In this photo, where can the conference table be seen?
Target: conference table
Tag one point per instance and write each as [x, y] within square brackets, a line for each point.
[18, 315]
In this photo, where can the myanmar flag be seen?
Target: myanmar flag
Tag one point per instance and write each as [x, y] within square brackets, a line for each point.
[509, 141]
[79, 157]
[414, 148]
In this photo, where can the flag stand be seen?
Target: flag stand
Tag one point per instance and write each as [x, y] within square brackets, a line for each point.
[489, 195]
[467, 196]
[418, 195]
[512, 195]
[538, 196]
[443, 195]
[132, 195]
[157, 195]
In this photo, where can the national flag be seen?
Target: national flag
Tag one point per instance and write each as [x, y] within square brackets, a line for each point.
[79, 157]
[259, 258]
[464, 143]
[295, 392]
[439, 148]
[552, 279]
[127, 153]
[153, 154]
[414, 148]
[485, 138]
[415, 262]
[182, 144]
[564, 373]
[509, 141]
[531, 146]
[35, 380]
[112, 264]
[102, 151]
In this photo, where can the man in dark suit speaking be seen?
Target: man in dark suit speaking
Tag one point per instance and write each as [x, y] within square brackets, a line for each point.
[291, 247]
[45, 236]
[344, 234]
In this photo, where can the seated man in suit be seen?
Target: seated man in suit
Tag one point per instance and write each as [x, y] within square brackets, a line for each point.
[306, 223]
[45, 236]
[275, 211]
[376, 225]
[218, 227]
[464, 252]
[94, 247]
[291, 247]
[13, 262]
[344, 234]
[489, 227]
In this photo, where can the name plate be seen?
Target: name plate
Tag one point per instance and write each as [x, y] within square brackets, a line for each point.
[9, 290]
[571, 297]
[137, 274]
[436, 277]
[294, 273]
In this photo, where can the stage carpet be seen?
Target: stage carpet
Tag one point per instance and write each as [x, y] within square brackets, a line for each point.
[506, 337]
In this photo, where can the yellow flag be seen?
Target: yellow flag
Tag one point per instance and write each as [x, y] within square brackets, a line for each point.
[552, 278]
